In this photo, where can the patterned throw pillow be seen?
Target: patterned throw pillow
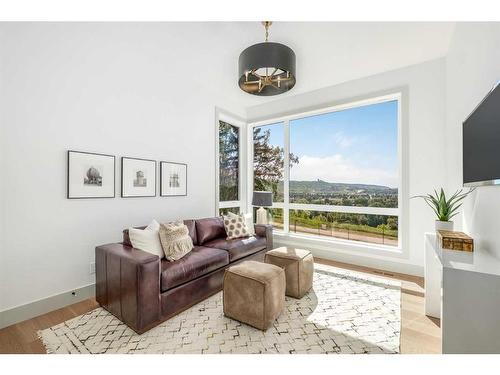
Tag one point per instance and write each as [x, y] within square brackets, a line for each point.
[248, 221]
[175, 240]
[235, 227]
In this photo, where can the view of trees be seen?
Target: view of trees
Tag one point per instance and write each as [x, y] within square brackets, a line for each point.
[228, 162]
[268, 164]
[362, 227]
[359, 227]
[346, 198]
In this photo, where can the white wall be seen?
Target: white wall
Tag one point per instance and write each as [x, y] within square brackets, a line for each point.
[472, 69]
[122, 89]
[423, 87]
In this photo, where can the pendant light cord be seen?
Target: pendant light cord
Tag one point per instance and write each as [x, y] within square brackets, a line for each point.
[266, 25]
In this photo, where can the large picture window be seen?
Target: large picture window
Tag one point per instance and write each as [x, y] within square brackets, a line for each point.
[334, 173]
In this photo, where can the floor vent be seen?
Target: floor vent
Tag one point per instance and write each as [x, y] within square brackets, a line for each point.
[384, 273]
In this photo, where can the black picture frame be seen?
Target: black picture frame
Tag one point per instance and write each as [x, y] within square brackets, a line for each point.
[155, 183]
[68, 173]
[161, 180]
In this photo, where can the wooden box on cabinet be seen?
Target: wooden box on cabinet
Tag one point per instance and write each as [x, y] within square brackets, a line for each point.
[450, 240]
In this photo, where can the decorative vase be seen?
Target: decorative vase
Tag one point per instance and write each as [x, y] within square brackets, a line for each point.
[444, 225]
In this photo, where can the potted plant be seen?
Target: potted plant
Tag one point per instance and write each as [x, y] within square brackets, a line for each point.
[444, 208]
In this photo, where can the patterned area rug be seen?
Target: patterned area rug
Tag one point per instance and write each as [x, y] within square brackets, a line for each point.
[345, 312]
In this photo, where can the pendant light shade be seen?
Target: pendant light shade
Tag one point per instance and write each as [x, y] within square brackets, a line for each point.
[267, 68]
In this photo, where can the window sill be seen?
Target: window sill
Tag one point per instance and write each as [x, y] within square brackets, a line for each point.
[348, 246]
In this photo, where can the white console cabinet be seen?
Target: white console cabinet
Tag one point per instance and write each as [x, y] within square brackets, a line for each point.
[463, 289]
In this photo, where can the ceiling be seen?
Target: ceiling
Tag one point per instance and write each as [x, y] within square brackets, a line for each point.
[204, 55]
[329, 53]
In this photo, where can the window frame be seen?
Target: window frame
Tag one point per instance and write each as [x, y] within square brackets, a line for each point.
[400, 211]
[236, 121]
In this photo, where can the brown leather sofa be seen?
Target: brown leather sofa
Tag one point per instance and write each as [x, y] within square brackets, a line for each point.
[143, 290]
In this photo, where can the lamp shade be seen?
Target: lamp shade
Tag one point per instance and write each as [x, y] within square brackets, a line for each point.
[262, 199]
[267, 69]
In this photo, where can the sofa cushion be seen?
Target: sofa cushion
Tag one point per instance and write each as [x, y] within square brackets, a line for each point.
[239, 247]
[209, 229]
[198, 262]
[191, 224]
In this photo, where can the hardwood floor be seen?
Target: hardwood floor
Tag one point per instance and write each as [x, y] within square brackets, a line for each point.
[22, 337]
[419, 333]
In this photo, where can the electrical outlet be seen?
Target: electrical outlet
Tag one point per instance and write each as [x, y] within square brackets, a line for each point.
[92, 268]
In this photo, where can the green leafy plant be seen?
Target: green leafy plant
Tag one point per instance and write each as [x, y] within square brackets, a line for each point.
[444, 208]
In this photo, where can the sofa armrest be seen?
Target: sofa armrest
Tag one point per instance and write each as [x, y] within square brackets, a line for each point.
[265, 230]
[128, 284]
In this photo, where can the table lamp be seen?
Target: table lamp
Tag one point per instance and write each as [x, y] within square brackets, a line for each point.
[262, 199]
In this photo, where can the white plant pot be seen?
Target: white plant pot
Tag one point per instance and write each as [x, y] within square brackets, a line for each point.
[444, 225]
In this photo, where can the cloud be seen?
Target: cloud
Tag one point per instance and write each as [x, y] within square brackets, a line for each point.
[342, 140]
[336, 168]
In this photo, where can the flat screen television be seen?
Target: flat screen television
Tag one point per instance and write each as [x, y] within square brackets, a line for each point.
[481, 142]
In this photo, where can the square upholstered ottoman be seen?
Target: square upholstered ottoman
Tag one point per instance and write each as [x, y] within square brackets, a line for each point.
[299, 268]
[254, 293]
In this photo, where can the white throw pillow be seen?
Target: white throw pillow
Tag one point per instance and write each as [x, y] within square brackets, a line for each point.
[248, 221]
[147, 239]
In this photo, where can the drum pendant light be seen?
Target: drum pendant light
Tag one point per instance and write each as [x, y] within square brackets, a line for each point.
[267, 68]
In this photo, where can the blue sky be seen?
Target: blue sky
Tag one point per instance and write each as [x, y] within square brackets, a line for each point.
[357, 145]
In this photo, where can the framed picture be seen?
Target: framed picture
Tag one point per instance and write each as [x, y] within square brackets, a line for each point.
[138, 177]
[173, 179]
[90, 175]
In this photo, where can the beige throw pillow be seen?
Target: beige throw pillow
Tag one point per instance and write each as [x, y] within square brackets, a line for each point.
[235, 227]
[175, 240]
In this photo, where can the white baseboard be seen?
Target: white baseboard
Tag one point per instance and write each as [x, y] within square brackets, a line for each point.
[43, 306]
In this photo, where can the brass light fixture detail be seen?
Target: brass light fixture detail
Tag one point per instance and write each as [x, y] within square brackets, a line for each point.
[267, 68]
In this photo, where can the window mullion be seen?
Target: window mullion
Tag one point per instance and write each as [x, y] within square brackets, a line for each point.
[217, 164]
[286, 174]
[386, 211]
[250, 173]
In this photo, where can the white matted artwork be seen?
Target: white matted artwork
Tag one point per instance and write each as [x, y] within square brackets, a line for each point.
[138, 177]
[173, 179]
[90, 175]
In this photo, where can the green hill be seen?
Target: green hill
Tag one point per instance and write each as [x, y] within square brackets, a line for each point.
[320, 186]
